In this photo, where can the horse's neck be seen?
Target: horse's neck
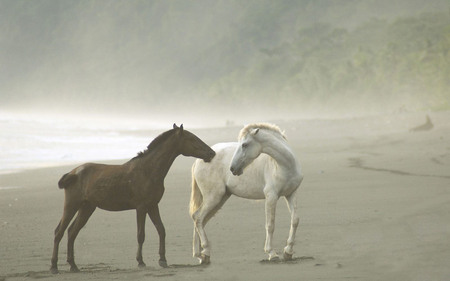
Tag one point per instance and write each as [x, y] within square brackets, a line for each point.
[280, 152]
[159, 161]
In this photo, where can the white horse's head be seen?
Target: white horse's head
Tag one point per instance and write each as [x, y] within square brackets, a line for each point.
[247, 151]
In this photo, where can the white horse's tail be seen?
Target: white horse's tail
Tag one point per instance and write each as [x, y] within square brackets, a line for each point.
[196, 195]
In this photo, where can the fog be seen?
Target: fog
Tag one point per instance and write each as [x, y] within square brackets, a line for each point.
[351, 82]
[220, 60]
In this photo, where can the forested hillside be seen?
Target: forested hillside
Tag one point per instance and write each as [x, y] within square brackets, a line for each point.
[404, 64]
[140, 55]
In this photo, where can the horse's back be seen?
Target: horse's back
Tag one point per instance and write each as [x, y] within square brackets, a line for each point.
[84, 171]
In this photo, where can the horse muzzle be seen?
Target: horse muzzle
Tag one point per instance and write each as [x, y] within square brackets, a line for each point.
[236, 172]
[210, 156]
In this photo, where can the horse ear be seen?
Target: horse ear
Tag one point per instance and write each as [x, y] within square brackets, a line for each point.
[175, 126]
[255, 131]
[181, 127]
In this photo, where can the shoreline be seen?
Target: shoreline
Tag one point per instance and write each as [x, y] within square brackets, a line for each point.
[386, 124]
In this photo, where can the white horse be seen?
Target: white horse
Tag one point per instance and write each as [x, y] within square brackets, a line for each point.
[263, 166]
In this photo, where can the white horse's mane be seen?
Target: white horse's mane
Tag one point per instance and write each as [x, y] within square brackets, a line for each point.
[265, 126]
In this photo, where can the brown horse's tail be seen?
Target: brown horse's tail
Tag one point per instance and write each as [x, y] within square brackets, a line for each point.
[196, 195]
[67, 180]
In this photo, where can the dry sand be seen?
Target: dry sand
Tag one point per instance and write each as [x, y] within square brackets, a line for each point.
[374, 205]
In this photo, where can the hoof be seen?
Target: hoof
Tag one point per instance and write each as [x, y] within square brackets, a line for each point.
[142, 265]
[54, 270]
[274, 258]
[287, 257]
[204, 259]
[163, 264]
[74, 269]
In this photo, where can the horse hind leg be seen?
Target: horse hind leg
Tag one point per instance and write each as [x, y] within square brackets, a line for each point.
[199, 216]
[196, 249]
[83, 216]
[292, 204]
[206, 211]
[68, 214]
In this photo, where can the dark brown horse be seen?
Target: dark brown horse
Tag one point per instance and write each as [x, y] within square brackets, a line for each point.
[137, 184]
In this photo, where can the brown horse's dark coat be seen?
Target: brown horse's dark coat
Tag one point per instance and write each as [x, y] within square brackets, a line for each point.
[137, 184]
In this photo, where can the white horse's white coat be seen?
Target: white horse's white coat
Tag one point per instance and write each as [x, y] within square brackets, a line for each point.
[267, 169]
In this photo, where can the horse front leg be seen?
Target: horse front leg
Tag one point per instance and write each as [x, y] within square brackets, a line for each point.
[156, 219]
[292, 204]
[270, 207]
[140, 218]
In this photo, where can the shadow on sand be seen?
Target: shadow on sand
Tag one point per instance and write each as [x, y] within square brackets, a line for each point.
[292, 261]
[187, 266]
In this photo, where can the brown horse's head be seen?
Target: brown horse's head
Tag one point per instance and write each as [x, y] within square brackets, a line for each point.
[191, 145]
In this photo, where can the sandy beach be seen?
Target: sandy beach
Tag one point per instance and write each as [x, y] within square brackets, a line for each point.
[374, 205]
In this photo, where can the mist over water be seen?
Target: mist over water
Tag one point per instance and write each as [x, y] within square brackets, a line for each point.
[30, 143]
[78, 79]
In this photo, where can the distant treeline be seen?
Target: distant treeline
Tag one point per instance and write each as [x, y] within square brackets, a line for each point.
[144, 55]
[404, 64]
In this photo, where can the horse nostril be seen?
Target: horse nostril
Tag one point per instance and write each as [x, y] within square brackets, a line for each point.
[232, 169]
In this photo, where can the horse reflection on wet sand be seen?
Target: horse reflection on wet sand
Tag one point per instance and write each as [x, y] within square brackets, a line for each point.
[137, 184]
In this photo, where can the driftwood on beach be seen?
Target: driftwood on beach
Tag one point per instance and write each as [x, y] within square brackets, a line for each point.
[424, 127]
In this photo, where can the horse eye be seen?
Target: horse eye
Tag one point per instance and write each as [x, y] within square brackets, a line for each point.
[244, 145]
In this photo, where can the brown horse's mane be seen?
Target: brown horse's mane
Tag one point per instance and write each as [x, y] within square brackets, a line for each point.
[155, 143]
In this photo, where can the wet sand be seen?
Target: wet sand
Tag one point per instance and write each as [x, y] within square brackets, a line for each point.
[374, 205]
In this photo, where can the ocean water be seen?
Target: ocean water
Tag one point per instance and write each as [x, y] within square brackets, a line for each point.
[30, 141]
